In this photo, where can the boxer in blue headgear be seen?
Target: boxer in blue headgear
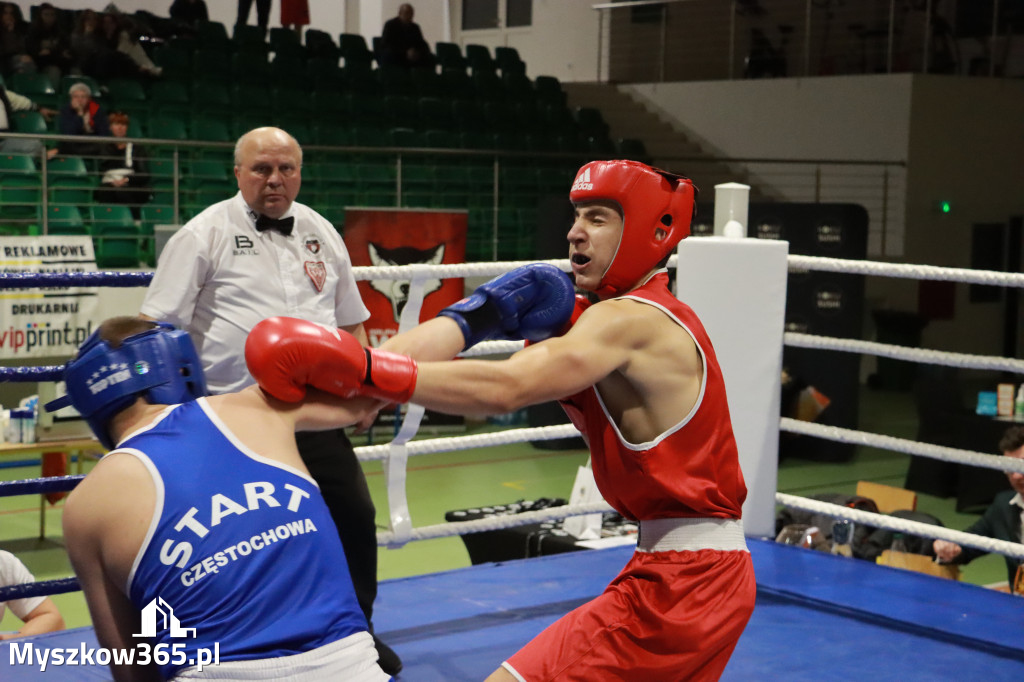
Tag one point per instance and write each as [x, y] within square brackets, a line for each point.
[111, 370]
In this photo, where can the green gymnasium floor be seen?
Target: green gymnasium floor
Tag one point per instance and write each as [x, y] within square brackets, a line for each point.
[458, 480]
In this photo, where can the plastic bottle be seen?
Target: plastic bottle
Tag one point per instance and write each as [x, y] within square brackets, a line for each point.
[1018, 404]
[842, 535]
[899, 543]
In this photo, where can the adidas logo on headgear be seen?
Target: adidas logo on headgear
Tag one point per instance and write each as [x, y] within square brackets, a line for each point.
[582, 182]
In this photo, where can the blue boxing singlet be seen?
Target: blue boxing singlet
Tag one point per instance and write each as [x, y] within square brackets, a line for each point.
[240, 547]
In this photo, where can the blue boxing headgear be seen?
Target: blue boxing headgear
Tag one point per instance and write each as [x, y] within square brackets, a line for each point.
[159, 364]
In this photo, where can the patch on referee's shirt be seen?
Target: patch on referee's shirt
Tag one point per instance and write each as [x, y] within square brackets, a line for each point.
[317, 273]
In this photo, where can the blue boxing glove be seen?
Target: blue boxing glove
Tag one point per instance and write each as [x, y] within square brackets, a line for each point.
[531, 302]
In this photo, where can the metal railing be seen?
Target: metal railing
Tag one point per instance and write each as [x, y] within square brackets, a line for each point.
[500, 190]
[682, 40]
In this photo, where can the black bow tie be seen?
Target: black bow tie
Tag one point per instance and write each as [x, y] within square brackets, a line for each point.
[282, 225]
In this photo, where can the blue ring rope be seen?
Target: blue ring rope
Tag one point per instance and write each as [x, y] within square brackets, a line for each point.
[33, 486]
[29, 280]
[42, 588]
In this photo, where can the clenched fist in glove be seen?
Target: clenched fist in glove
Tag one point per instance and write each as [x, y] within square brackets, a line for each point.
[531, 302]
[285, 354]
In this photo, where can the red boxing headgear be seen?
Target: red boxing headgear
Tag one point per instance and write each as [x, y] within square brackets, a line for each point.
[651, 200]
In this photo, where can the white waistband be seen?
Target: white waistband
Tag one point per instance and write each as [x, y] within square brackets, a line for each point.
[353, 659]
[681, 535]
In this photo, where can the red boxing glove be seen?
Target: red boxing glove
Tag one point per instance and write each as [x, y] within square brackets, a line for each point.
[285, 354]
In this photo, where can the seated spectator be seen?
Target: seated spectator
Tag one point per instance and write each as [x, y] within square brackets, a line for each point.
[125, 169]
[14, 57]
[117, 33]
[11, 102]
[189, 12]
[82, 115]
[95, 53]
[1002, 519]
[49, 44]
[402, 43]
[38, 614]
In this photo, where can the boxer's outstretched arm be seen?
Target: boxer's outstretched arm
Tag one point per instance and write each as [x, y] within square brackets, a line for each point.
[600, 342]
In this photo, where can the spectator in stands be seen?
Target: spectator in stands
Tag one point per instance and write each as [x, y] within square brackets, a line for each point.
[82, 115]
[14, 57]
[49, 44]
[38, 614]
[116, 33]
[189, 12]
[295, 15]
[11, 102]
[1002, 519]
[402, 43]
[262, 12]
[125, 169]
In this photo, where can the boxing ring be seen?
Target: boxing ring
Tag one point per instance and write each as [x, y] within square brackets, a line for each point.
[817, 616]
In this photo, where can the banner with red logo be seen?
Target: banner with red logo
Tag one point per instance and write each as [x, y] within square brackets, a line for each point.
[381, 237]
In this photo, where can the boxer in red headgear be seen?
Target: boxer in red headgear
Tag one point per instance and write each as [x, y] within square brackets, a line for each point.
[655, 208]
[638, 376]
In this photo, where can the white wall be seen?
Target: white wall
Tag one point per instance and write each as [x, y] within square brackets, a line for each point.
[853, 117]
[562, 41]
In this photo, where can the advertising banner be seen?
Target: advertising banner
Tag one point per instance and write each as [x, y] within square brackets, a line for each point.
[52, 321]
[380, 237]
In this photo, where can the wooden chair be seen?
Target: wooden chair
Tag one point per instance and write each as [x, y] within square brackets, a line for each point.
[888, 498]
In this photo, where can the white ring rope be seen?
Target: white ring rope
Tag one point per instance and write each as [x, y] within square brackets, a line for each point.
[910, 447]
[498, 522]
[934, 357]
[369, 453]
[908, 271]
[896, 524]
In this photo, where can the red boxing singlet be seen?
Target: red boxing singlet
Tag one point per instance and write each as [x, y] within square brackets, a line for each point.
[691, 470]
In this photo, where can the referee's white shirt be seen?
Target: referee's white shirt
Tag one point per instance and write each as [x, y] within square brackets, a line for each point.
[218, 276]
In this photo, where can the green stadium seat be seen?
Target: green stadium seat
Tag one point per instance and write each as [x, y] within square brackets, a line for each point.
[449, 55]
[247, 68]
[508, 60]
[456, 84]
[590, 121]
[167, 96]
[284, 41]
[121, 245]
[325, 74]
[488, 86]
[395, 80]
[210, 99]
[213, 34]
[435, 113]
[37, 87]
[401, 111]
[176, 61]
[168, 127]
[30, 123]
[210, 128]
[319, 44]
[479, 58]
[549, 89]
[426, 83]
[353, 49]
[65, 220]
[250, 38]
[214, 66]
[289, 71]
[71, 190]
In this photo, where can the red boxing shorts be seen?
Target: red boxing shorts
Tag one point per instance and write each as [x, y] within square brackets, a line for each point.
[667, 616]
